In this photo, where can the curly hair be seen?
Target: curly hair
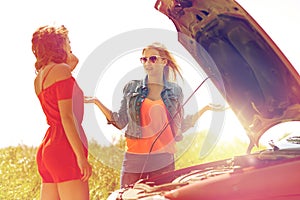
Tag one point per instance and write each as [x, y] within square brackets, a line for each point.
[163, 52]
[48, 45]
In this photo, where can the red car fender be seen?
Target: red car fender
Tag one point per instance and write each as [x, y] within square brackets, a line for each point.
[247, 184]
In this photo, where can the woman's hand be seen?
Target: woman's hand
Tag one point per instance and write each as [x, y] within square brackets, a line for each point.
[216, 107]
[211, 107]
[107, 113]
[72, 60]
[90, 99]
[85, 168]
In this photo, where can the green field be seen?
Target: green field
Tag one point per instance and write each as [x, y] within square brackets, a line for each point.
[20, 180]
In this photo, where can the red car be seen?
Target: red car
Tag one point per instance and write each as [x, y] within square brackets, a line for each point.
[261, 87]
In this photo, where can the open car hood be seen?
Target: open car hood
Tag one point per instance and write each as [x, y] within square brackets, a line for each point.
[262, 88]
[249, 70]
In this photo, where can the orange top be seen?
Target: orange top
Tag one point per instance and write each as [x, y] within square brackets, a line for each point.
[153, 120]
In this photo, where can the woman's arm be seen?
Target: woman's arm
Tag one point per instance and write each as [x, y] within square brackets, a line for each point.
[72, 60]
[191, 120]
[118, 119]
[70, 125]
[107, 113]
[69, 122]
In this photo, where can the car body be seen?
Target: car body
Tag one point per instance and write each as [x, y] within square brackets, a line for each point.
[261, 87]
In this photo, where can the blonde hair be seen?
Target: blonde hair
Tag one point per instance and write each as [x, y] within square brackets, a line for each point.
[48, 45]
[163, 52]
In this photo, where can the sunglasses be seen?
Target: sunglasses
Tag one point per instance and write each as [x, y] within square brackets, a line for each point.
[152, 59]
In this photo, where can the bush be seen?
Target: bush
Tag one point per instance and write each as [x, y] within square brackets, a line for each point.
[20, 179]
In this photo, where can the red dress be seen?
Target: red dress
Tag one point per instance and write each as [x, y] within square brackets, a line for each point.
[55, 158]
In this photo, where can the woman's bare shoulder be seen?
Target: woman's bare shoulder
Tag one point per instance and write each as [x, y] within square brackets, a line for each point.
[50, 75]
[60, 72]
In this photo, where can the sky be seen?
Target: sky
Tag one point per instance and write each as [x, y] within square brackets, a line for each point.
[91, 23]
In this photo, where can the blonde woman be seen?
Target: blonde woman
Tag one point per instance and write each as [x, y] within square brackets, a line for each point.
[151, 109]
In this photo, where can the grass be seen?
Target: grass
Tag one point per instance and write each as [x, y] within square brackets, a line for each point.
[18, 172]
[20, 179]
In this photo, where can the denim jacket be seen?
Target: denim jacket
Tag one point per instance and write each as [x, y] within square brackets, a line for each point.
[134, 93]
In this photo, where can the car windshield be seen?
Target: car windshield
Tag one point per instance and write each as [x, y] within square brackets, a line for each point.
[290, 141]
[283, 136]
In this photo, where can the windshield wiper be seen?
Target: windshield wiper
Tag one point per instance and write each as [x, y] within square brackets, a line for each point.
[274, 147]
[294, 140]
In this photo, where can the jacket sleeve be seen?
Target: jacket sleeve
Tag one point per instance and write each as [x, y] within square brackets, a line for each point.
[179, 113]
[187, 123]
[120, 118]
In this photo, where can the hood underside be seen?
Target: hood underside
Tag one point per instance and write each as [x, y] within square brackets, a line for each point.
[245, 65]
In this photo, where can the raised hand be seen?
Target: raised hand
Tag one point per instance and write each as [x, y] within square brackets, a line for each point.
[88, 99]
[216, 107]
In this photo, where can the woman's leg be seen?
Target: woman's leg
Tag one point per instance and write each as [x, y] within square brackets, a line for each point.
[73, 190]
[49, 191]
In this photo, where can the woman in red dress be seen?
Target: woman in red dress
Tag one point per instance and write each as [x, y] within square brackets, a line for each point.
[62, 156]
